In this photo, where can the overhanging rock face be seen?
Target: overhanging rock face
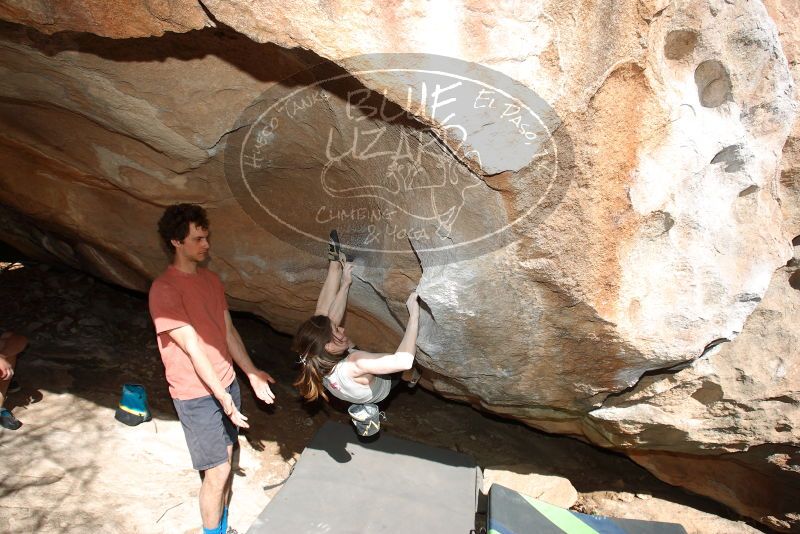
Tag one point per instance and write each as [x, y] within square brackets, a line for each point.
[669, 216]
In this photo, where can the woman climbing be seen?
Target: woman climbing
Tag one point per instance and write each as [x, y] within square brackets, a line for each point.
[329, 360]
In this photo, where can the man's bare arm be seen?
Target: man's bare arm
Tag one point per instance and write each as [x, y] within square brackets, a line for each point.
[259, 379]
[236, 346]
[187, 339]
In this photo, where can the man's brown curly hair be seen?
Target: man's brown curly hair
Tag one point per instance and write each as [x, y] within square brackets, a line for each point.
[174, 223]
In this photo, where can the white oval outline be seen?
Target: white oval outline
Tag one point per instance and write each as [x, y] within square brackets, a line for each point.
[350, 75]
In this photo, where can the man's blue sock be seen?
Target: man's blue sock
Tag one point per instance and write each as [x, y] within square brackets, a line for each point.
[222, 527]
[224, 521]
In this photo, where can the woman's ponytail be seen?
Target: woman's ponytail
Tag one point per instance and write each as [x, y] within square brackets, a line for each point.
[315, 361]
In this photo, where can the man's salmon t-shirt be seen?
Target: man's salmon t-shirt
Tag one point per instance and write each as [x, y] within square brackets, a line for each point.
[198, 299]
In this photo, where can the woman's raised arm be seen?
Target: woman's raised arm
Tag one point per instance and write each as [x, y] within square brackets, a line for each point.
[403, 358]
[329, 289]
[337, 309]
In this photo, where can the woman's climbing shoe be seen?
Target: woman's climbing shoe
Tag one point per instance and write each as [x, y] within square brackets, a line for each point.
[334, 247]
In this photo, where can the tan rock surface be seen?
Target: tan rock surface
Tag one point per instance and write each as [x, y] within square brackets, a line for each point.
[619, 504]
[728, 425]
[785, 14]
[111, 19]
[523, 478]
[663, 240]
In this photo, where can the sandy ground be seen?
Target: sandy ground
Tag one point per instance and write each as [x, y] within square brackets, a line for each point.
[73, 468]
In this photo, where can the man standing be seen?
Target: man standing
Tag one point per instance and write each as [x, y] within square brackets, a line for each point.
[198, 345]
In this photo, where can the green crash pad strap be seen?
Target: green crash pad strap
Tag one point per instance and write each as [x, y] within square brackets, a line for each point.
[560, 517]
[511, 512]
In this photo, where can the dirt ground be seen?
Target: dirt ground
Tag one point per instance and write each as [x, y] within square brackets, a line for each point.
[73, 468]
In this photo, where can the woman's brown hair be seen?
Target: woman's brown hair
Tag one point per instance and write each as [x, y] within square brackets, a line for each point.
[316, 362]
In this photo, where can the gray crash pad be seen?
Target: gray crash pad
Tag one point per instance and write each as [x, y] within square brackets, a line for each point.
[391, 485]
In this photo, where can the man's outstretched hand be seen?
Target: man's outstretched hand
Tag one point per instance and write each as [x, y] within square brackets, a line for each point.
[229, 407]
[6, 371]
[260, 381]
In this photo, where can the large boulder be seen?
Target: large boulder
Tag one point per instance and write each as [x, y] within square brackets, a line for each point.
[728, 424]
[785, 13]
[625, 275]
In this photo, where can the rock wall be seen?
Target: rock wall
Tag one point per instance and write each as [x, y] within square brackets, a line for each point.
[629, 310]
[127, 19]
[785, 13]
[731, 415]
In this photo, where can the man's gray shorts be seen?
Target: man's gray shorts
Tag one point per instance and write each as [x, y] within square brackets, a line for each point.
[207, 429]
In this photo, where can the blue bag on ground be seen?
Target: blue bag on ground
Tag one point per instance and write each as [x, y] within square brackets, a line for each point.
[133, 408]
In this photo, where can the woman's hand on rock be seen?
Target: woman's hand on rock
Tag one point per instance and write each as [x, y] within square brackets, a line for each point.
[413, 304]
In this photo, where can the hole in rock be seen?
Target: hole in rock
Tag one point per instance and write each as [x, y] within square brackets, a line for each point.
[668, 221]
[679, 44]
[783, 398]
[657, 224]
[713, 344]
[731, 156]
[748, 190]
[708, 393]
[794, 280]
[713, 83]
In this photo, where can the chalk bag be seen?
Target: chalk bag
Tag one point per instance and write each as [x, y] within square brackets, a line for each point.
[133, 408]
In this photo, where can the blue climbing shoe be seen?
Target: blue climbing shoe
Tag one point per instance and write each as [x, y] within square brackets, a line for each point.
[7, 420]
